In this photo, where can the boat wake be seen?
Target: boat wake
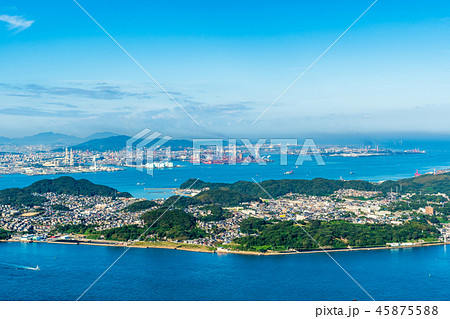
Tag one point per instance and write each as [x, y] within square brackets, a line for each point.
[6, 265]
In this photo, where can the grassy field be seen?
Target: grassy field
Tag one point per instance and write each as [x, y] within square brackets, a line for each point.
[170, 245]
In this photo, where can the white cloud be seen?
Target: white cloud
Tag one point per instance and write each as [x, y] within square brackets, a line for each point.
[17, 23]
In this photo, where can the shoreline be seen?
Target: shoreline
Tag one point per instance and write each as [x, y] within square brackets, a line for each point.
[327, 250]
[142, 245]
[218, 250]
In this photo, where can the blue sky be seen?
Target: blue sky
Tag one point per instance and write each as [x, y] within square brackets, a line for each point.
[225, 62]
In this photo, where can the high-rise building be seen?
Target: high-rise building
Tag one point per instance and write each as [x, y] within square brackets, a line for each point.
[66, 158]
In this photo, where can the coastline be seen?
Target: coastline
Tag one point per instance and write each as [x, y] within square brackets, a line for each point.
[327, 250]
[218, 250]
[107, 243]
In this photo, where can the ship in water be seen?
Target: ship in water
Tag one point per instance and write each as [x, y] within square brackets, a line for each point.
[415, 151]
[289, 172]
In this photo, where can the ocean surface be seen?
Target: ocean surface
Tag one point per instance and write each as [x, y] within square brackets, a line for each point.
[159, 274]
[377, 168]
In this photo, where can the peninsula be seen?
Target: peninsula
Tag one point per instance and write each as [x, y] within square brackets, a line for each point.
[276, 216]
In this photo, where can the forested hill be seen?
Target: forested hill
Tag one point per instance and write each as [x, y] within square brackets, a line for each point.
[285, 235]
[315, 187]
[18, 197]
[428, 184]
[70, 186]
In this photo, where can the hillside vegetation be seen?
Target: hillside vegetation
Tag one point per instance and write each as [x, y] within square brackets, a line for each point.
[428, 184]
[18, 197]
[314, 187]
[70, 186]
[4, 234]
[175, 224]
[286, 235]
[140, 205]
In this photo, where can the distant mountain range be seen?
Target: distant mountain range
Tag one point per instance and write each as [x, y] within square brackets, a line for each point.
[112, 143]
[50, 138]
[105, 141]
[118, 142]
